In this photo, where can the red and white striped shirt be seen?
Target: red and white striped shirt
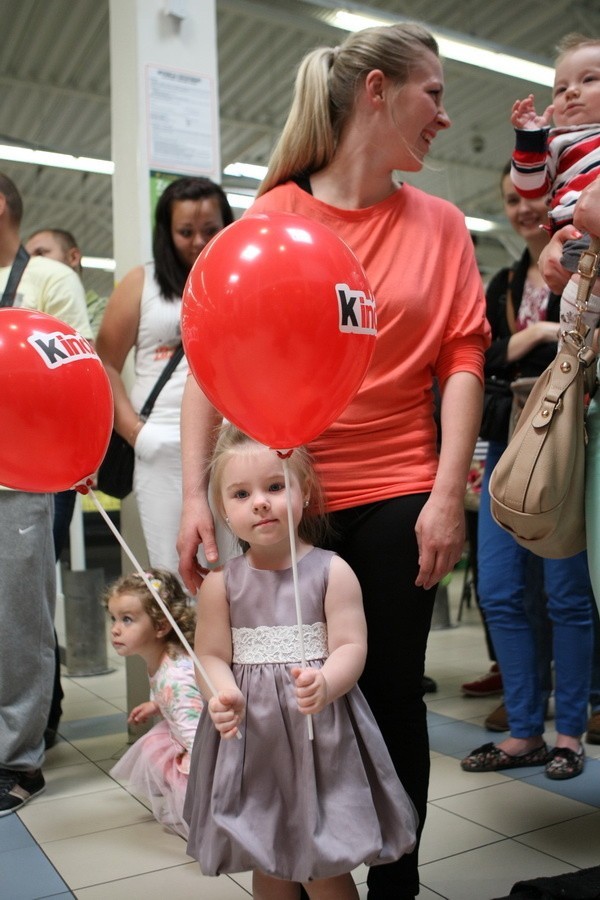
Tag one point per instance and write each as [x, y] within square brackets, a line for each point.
[559, 162]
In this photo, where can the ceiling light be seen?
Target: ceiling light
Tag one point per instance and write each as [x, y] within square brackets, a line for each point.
[245, 170]
[480, 225]
[58, 160]
[473, 53]
[98, 262]
[240, 201]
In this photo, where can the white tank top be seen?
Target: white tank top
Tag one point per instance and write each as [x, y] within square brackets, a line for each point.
[159, 333]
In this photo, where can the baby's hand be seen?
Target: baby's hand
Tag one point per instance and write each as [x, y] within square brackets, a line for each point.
[311, 690]
[524, 116]
[227, 710]
[142, 713]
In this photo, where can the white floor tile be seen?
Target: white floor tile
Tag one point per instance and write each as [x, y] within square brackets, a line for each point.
[488, 872]
[447, 778]
[183, 883]
[576, 842]
[88, 707]
[83, 814]
[106, 856]
[514, 807]
[446, 835]
[68, 781]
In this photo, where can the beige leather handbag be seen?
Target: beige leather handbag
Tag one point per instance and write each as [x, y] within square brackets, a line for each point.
[537, 486]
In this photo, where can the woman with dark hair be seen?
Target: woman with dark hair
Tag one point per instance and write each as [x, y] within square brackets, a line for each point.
[143, 313]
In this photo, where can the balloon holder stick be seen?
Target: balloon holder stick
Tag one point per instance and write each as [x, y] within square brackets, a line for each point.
[288, 497]
[156, 596]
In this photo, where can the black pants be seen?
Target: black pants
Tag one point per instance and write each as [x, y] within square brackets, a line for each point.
[378, 541]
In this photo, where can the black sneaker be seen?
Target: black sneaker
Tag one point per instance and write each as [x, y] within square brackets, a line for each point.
[17, 788]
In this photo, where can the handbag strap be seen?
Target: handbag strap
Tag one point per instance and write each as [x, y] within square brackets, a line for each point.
[14, 276]
[162, 380]
[560, 375]
[587, 269]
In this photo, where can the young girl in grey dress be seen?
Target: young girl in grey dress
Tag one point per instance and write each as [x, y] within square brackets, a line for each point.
[294, 810]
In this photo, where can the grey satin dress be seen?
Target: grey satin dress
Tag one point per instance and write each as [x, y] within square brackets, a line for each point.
[276, 801]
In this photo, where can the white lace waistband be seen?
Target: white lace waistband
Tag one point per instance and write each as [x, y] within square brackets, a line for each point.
[278, 643]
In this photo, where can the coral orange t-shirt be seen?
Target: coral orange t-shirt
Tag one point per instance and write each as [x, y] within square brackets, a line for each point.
[419, 260]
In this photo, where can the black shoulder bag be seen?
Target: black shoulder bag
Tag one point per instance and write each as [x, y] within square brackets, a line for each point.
[115, 475]
[14, 276]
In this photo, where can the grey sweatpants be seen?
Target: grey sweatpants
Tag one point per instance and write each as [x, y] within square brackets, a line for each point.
[27, 600]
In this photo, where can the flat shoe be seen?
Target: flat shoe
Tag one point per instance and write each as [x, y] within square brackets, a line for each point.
[564, 763]
[489, 758]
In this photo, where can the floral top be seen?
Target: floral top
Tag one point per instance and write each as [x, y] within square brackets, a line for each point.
[173, 688]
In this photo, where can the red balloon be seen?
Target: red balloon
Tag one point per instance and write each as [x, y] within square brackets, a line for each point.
[279, 326]
[56, 402]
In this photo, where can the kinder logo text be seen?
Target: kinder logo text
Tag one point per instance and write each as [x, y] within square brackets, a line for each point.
[357, 311]
[57, 349]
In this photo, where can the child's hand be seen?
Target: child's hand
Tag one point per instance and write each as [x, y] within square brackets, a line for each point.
[227, 710]
[524, 116]
[311, 690]
[142, 713]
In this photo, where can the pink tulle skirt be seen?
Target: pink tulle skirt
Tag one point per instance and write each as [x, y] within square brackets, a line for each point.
[155, 767]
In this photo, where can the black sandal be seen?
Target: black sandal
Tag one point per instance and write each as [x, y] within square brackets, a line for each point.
[489, 758]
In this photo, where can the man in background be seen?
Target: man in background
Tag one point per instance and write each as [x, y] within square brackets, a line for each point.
[27, 559]
[60, 244]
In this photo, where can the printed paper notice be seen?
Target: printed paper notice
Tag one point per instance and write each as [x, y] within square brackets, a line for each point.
[180, 121]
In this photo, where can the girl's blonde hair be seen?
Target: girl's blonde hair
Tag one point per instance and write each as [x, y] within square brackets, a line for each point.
[170, 591]
[326, 87]
[230, 440]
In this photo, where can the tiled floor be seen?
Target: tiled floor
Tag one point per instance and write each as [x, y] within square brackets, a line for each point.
[87, 837]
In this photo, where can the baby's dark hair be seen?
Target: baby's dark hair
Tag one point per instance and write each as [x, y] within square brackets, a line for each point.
[313, 526]
[170, 591]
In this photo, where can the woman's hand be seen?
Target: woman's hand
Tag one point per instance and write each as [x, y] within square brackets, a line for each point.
[197, 527]
[440, 532]
[586, 214]
[554, 274]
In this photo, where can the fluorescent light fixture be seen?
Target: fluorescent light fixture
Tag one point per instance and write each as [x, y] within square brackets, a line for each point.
[58, 160]
[240, 201]
[496, 61]
[98, 262]
[245, 170]
[481, 225]
[472, 53]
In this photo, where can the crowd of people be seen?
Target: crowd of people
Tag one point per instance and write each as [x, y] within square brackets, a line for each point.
[387, 479]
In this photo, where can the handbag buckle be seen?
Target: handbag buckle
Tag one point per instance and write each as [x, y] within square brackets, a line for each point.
[588, 263]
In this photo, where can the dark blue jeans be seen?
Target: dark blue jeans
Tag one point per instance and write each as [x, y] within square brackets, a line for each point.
[502, 594]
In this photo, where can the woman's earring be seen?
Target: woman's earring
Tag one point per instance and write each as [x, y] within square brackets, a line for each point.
[305, 504]
[227, 519]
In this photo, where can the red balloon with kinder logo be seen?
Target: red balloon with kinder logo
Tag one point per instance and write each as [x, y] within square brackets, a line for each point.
[56, 403]
[279, 326]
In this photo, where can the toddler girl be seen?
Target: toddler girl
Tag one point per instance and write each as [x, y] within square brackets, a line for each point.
[157, 765]
[293, 810]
